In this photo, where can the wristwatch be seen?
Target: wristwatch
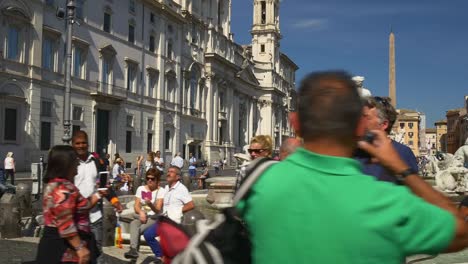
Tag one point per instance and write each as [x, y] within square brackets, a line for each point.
[402, 175]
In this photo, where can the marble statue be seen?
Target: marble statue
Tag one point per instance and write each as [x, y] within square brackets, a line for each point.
[462, 152]
[363, 92]
[451, 176]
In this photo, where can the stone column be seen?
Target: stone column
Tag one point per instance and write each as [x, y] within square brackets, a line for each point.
[209, 109]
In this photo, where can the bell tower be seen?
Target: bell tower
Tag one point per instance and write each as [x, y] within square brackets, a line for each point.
[266, 32]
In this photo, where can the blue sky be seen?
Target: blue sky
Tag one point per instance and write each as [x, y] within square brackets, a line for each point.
[431, 45]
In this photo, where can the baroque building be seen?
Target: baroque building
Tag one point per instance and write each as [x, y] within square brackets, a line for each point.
[147, 75]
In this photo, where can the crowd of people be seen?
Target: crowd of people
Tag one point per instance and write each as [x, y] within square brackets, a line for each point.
[343, 191]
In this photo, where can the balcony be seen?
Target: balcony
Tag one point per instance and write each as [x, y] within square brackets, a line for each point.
[195, 137]
[108, 93]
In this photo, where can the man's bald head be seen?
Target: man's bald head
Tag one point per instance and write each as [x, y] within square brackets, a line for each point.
[80, 134]
[80, 144]
[289, 146]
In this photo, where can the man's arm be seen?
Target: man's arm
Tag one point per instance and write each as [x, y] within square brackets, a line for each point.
[188, 206]
[384, 152]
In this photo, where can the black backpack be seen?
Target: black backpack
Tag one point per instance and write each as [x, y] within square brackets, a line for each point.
[226, 239]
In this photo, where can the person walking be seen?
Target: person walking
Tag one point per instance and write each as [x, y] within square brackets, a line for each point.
[9, 165]
[67, 236]
[86, 179]
[148, 203]
[369, 221]
[192, 167]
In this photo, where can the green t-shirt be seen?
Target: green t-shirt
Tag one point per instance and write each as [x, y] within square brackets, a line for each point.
[312, 208]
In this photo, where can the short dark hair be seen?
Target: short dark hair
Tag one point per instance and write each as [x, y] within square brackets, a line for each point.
[154, 172]
[78, 134]
[329, 106]
[61, 159]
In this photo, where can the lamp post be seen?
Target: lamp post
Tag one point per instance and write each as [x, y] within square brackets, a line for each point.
[70, 20]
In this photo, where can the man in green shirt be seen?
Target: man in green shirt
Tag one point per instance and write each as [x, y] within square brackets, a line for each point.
[328, 211]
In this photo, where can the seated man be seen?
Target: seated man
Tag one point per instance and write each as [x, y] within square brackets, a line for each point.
[177, 200]
[148, 202]
[202, 179]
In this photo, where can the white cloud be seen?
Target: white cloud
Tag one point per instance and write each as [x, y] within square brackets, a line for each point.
[310, 23]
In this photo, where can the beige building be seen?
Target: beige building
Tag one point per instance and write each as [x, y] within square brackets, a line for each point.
[431, 140]
[441, 132]
[146, 75]
[407, 130]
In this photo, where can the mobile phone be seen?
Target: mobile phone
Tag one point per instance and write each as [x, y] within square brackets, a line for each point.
[102, 189]
[369, 137]
[103, 175]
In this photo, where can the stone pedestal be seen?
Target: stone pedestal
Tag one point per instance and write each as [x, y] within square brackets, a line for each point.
[220, 191]
[9, 216]
[109, 221]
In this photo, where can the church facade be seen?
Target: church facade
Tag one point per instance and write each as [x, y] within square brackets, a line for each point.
[146, 75]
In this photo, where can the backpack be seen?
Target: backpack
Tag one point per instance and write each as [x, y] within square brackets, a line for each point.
[225, 240]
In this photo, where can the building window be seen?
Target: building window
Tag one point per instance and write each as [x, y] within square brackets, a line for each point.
[79, 9]
[167, 140]
[151, 43]
[410, 125]
[149, 142]
[128, 142]
[46, 109]
[263, 14]
[410, 134]
[152, 18]
[150, 126]
[221, 101]
[129, 120]
[262, 48]
[46, 135]
[107, 22]
[77, 113]
[78, 62]
[194, 33]
[193, 87]
[131, 77]
[410, 143]
[131, 33]
[49, 2]
[106, 74]
[152, 84]
[10, 125]
[131, 6]
[170, 52]
[48, 54]
[13, 45]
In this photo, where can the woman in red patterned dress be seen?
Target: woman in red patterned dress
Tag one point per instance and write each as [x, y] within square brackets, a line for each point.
[67, 236]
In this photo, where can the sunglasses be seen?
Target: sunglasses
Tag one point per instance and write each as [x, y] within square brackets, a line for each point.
[259, 151]
[150, 179]
[381, 100]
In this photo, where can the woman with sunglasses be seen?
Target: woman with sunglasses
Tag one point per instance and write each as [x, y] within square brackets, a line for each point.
[67, 236]
[148, 202]
[261, 146]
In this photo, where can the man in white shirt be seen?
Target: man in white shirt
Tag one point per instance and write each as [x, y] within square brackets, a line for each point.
[178, 161]
[177, 200]
[86, 180]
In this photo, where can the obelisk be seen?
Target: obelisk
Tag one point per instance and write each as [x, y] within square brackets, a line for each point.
[391, 69]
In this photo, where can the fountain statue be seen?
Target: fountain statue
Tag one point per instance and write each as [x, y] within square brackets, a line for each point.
[450, 175]
[462, 152]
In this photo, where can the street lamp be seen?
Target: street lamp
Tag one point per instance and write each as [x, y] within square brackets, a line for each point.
[69, 16]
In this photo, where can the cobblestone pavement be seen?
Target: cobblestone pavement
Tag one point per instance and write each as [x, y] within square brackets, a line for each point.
[23, 250]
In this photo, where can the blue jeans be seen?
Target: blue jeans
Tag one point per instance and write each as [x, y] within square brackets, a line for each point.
[192, 173]
[150, 237]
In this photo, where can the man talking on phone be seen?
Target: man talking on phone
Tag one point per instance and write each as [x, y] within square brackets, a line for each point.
[85, 181]
[379, 114]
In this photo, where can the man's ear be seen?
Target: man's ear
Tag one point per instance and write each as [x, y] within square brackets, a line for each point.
[385, 124]
[295, 124]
